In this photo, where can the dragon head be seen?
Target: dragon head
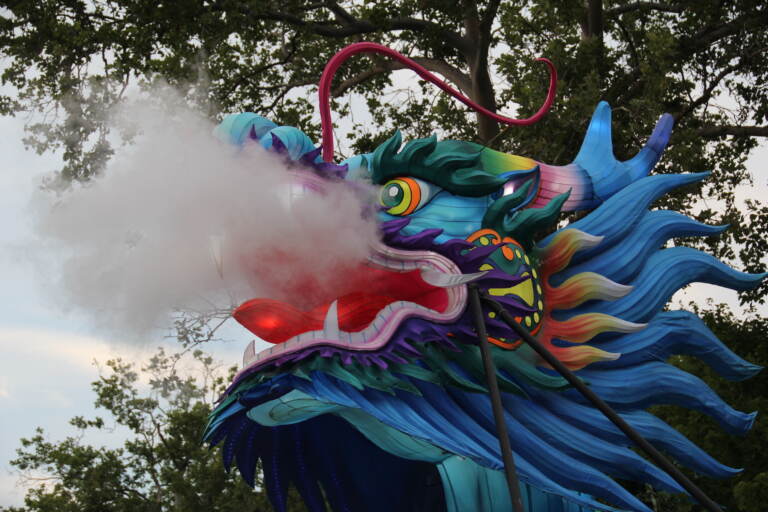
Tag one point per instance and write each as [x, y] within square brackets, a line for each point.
[450, 213]
[387, 366]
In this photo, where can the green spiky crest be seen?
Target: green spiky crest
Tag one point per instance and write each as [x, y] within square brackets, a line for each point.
[522, 225]
[452, 167]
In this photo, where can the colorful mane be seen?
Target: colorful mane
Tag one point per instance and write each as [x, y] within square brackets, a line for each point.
[381, 405]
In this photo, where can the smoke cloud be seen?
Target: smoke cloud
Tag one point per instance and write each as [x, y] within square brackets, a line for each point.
[143, 239]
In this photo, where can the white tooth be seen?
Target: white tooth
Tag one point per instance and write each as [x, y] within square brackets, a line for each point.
[331, 322]
[443, 280]
[216, 243]
[250, 352]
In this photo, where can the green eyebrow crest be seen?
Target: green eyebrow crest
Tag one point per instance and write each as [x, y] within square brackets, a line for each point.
[452, 165]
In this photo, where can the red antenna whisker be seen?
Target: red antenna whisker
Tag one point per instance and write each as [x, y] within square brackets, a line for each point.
[369, 47]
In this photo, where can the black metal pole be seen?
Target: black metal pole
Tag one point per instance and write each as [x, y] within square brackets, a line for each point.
[498, 410]
[606, 409]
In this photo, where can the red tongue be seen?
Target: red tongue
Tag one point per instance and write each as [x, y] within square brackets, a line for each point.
[276, 321]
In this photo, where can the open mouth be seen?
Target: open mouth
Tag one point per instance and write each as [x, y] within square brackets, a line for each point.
[393, 285]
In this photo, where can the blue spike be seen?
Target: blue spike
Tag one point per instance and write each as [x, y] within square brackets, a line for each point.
[214, 436]
[274, 477]
[597, 148]
[246, 454]
[629, 205]
[596, 157]
[677, 332]
[664, 273]
[659, 433]
[526, 445]
[609, 458]
[306, 479]
[657, 383]
[436, 417]
[641, 164]
[219, 417]
[622, 261]
[239, 424]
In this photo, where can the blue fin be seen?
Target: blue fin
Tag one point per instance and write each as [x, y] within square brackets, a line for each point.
[596, 157]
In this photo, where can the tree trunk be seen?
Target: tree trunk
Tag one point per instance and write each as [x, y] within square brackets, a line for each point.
[483, 94]
[592, 34]
[476, 55]
[594, 26]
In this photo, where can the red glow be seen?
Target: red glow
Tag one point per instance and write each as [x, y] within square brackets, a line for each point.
[366, 292]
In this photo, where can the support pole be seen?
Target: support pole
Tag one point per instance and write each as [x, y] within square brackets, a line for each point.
[606, 409]
[498, 410]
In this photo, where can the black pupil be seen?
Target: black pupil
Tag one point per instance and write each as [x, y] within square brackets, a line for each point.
[393, 194]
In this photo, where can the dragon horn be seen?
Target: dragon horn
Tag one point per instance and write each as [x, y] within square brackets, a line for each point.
[595, 175]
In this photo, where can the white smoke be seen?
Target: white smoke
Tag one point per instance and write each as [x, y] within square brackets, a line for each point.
[135, 243]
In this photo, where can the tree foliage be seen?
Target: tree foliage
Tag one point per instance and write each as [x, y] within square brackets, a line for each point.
[68, 63]
[156, 416]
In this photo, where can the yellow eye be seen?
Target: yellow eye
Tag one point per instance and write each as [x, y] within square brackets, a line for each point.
[403, 196]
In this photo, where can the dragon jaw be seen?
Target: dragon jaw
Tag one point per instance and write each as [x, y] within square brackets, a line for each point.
[437, 292]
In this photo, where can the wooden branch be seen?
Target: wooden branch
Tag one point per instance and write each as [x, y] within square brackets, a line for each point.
[287, 57]
[359, 27]
[713, 132]
[341, 14]
[708, 36]
[643, 6]
[686, 48]
[631, 43]
[486, 22]
[288, 85]
[710, 89]
[452, 74]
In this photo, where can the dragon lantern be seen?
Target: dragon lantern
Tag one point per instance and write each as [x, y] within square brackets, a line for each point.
[374, 399]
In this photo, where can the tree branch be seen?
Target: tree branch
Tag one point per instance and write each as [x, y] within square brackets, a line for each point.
[341, 14]
[288, 85]
[713, 132]
[686, 48]
[634, 56]
[461, 80]
[709, 35]
[643, 6]
[486, 22]
[287, 57]
[359, 27]
[710, 89]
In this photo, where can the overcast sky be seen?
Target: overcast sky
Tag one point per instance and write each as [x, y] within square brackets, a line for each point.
[46, 364]
[47, 357]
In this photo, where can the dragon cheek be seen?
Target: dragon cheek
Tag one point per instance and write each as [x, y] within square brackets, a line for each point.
[523, 290]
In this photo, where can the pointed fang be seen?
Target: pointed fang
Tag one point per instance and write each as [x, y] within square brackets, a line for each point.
[216, 245]
[331, 322]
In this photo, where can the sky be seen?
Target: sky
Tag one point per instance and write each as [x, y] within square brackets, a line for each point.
[48, 351]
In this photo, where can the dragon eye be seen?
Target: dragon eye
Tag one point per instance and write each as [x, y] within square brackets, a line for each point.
[403, 196]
